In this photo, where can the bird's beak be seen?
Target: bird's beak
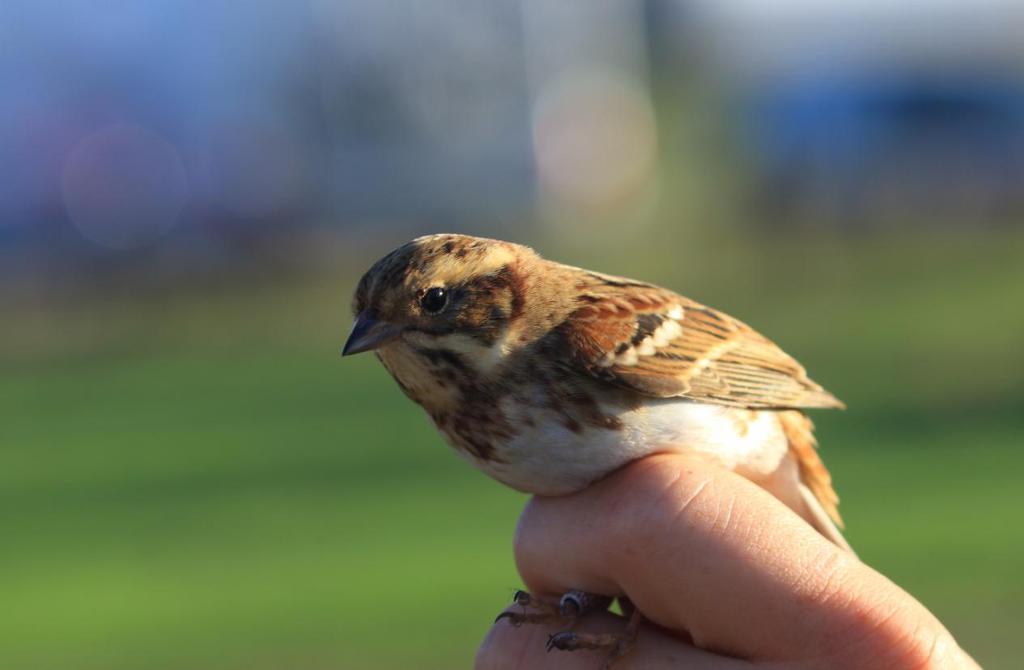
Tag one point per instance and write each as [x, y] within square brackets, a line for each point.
[368, 333]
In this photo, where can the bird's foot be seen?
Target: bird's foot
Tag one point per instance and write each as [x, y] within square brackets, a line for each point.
[616, 644]
[570, 607]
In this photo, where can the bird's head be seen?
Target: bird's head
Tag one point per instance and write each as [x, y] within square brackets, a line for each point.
[444, 293]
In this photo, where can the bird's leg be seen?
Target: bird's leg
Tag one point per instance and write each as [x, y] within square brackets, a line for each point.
[617, 644]
[569, 609]
[546, 612]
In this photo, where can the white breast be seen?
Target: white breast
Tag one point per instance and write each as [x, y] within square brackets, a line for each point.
[551, 459]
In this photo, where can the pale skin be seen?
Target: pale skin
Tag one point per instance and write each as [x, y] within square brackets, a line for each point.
[700, 549]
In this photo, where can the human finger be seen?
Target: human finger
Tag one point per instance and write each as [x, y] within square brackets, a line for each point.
[700, 549]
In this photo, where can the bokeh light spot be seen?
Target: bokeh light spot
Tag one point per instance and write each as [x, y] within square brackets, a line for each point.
[595, 139]
[123, 186]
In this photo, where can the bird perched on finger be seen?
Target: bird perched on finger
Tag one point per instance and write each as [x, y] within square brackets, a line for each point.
[548, 377]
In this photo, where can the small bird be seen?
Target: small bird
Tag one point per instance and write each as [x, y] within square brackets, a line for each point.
[548, 377]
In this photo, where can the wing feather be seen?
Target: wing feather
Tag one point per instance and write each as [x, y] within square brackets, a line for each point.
[661, 344]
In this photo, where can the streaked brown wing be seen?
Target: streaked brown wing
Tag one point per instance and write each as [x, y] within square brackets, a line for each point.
[662, 344]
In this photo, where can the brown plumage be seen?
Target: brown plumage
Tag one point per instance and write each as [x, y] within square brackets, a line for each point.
[547, 376]
[713, 358]
[574, 347]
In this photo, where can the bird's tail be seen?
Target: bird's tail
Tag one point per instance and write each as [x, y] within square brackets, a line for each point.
[820, 501]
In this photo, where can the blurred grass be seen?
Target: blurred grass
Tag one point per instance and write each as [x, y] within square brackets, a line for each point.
[195, 480]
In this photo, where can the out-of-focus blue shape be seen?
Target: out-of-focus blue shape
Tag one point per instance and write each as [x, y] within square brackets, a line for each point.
[832, 140]
[285, 116]
[874, 113]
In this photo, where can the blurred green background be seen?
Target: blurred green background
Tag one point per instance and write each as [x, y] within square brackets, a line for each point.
[192, 478]
[197, 480]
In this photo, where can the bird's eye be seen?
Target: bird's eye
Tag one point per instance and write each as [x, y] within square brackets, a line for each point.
[434, 300]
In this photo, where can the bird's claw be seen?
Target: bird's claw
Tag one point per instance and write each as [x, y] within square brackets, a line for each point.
[571, 607]
[565, 641]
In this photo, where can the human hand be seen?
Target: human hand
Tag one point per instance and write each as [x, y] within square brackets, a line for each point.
[724, 574]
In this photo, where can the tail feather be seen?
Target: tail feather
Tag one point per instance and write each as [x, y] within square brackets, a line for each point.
[820, 499]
